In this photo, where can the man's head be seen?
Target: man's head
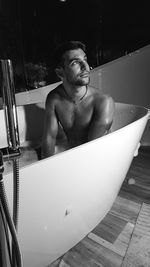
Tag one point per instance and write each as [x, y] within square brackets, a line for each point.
[65, 47]
[71, 63]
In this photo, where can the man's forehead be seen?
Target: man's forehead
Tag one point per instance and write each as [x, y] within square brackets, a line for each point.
[76, 53]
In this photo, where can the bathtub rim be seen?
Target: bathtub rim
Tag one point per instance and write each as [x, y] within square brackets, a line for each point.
[107, 135]
[146, 117]
[30, 143]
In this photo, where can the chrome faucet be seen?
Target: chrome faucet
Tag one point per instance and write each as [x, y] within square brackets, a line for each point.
[9, 105]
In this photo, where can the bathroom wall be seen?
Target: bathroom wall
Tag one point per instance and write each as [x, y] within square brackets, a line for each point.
[127, 80]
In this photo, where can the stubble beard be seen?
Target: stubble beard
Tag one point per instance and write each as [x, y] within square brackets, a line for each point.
[80, 82]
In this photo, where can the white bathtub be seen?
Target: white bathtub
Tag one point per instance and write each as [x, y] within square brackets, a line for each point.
[62, 198]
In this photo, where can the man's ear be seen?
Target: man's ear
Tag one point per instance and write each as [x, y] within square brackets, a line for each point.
[59, 72]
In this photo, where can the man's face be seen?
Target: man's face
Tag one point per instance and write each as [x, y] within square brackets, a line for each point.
[76, 69]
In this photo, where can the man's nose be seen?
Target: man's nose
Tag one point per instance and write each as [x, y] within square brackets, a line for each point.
[85, 65]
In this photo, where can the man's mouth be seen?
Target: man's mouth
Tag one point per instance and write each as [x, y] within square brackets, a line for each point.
[85, 74]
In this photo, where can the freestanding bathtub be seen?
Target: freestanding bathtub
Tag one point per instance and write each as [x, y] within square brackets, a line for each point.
[62, 198]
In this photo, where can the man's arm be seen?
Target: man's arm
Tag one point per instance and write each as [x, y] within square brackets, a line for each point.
[102, 117]
[50, 129]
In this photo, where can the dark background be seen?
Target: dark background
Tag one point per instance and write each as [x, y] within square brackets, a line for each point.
[30, 31]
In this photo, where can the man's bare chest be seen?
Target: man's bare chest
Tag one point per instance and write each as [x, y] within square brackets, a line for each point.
[74, 115]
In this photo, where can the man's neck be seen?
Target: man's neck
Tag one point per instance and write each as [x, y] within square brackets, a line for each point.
[75, 93]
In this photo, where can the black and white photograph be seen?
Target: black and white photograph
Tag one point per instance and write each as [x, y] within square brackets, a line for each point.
[74, 133]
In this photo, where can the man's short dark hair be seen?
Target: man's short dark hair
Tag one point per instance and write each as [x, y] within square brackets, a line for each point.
[63, 48]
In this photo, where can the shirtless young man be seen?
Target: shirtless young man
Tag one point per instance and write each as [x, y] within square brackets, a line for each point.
[83, 111]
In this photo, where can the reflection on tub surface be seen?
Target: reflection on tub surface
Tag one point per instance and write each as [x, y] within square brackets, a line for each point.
[62, 198]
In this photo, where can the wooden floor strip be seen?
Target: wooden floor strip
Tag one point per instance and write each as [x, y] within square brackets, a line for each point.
[123, 239]
[126, 209]
[138, 253]
[120, 245]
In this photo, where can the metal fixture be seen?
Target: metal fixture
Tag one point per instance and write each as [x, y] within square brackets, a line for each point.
[12, 152]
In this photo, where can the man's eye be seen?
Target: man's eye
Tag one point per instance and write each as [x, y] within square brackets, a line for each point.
[75, 62]
[78, 62]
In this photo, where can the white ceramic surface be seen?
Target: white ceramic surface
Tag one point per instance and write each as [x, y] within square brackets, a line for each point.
[62, 198]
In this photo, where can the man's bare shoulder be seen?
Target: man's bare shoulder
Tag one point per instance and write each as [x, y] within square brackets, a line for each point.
[54, 95]
[105, 98]
[99, 96]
